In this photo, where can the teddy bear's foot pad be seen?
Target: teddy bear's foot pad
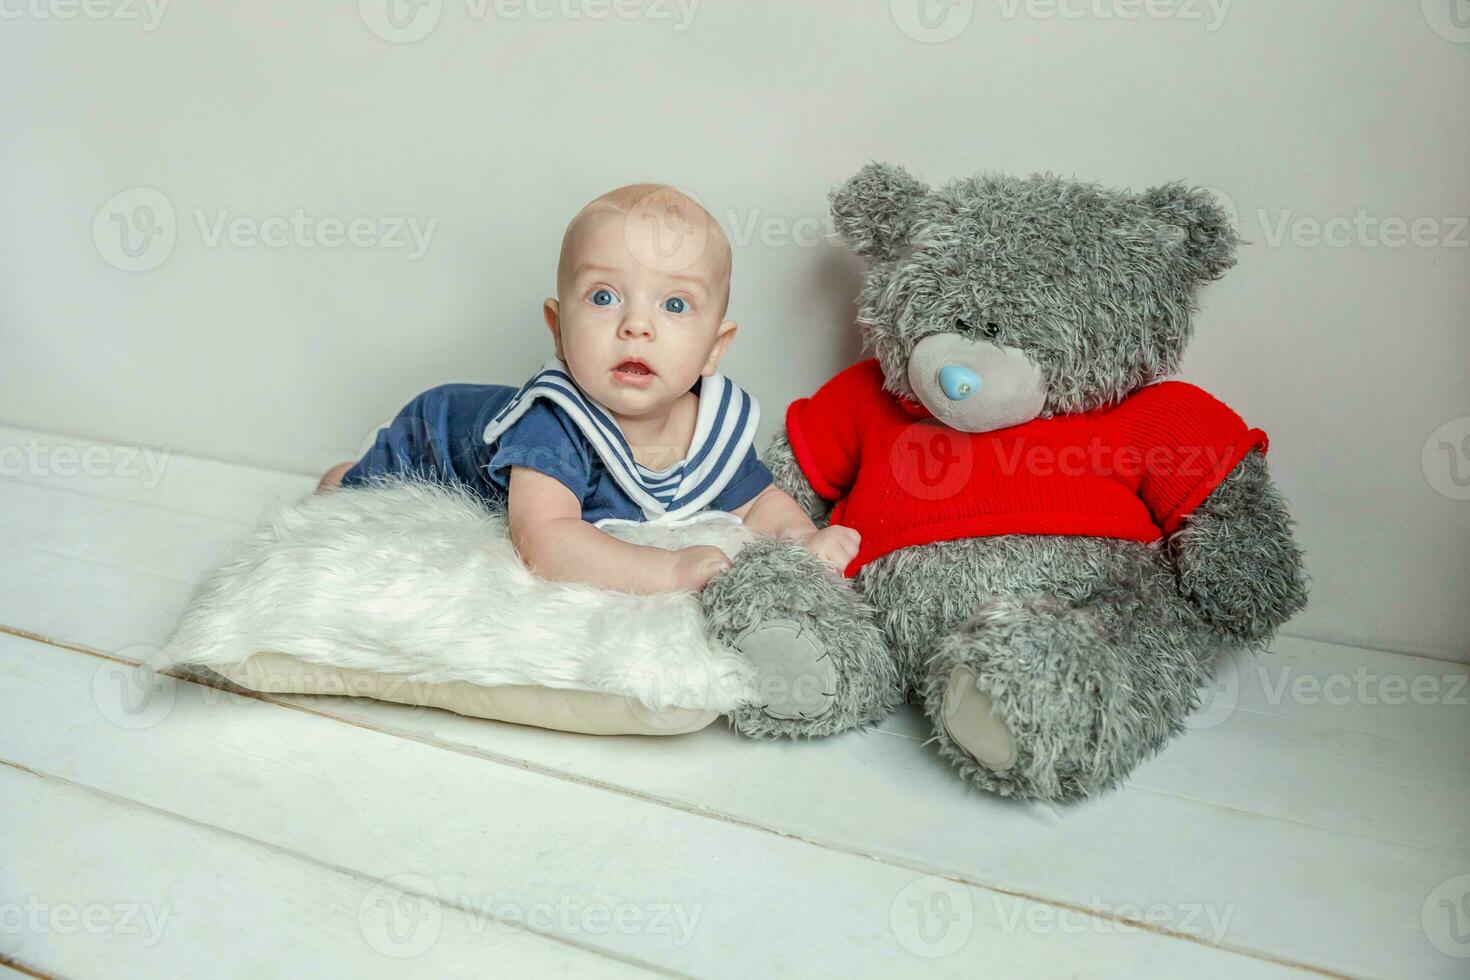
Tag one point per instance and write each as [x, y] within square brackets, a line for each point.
[795, 679]
[970, 719]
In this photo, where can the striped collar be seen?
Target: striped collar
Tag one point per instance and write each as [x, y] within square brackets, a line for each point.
[724, 430]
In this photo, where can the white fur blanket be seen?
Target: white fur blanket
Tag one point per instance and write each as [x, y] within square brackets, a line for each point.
[420, 580]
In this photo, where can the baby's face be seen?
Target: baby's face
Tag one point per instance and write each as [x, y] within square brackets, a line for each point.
[644, 285]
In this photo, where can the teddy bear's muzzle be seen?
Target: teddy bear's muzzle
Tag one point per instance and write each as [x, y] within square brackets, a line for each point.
[974, 385]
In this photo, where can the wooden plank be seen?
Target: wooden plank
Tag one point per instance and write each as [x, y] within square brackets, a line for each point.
[1386, 772]
[1295, 890]
[1394, 695]
[16, 969]
[729, 899]
[1406, 755]
[111, 532]
[154, 477]
[102, 606]
[1304, 680]
[1408, 790]
[96, 886]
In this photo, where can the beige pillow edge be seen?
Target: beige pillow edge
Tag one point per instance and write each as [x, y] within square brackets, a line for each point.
[587, 712]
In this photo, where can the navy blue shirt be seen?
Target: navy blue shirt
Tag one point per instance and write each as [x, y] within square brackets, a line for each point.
[438, 436]
[546, 440]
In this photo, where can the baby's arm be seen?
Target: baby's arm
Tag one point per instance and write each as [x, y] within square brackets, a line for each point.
[548, 531]
[774, 514]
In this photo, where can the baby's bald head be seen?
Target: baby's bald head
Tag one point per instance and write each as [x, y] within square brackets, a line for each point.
[664, 229]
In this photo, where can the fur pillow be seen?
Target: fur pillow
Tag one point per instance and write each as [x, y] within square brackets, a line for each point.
[419, 583]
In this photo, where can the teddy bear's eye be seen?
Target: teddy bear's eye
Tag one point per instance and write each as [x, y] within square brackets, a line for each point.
[989, 331]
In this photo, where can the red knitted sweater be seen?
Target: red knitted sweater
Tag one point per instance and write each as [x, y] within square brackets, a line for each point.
[900, 477]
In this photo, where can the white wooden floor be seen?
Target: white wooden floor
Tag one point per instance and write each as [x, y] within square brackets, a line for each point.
[1316, 821]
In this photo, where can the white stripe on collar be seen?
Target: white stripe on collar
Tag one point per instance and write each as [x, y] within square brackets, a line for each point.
[724, 430]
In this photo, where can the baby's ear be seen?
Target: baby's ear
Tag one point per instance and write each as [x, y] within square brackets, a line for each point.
[874, 209]
[724, 337]
[1207, 239]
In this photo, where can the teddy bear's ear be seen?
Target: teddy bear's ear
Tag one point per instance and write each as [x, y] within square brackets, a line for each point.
[1207, 239]
[875, 208]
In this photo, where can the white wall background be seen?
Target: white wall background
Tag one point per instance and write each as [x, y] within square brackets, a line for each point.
[504, 118]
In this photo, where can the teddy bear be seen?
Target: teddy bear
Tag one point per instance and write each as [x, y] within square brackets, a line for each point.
[1056, 541]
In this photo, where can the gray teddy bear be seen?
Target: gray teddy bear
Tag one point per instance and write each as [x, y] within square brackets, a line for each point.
[1056, 542]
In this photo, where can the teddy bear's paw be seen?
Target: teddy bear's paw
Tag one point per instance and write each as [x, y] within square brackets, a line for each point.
[1031, 697]
[795, 678]
[969, 718]
[815, 676]
[1237, 561]
[822, 662]
[1047, 698]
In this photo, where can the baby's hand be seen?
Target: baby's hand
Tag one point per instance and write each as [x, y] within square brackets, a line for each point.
[695, 566]
[834, 543]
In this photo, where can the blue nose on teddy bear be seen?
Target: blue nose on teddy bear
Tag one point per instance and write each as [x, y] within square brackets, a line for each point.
[958, 382]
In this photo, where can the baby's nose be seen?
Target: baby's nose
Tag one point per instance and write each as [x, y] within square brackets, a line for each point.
[958, 382]
[638, 326]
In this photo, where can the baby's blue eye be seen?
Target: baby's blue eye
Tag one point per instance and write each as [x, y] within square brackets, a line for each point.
[675, 304]
[603, 297]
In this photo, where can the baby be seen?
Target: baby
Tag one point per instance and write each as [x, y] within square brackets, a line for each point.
[629, 421]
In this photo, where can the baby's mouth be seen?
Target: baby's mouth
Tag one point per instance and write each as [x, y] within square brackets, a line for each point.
[635, 368]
